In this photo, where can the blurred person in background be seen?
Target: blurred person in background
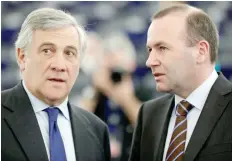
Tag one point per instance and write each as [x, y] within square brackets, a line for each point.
[193, 122]
[38, 122]
[116, 71]
[111, 62]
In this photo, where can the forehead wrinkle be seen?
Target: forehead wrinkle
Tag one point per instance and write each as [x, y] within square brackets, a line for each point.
[55, 36]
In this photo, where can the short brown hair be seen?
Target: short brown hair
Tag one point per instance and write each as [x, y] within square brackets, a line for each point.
[199, 26]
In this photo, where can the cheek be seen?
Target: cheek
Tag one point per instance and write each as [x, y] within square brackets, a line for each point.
[175, 69]
[184, 68]
[31, 69]
[38, 70]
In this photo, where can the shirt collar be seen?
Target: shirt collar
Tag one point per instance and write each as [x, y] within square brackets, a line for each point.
[198, 97]
[39, 105]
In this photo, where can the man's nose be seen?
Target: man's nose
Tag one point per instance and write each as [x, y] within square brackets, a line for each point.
[152, 60]
[59, 63]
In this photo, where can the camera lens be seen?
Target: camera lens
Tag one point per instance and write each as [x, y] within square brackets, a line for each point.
[116, 76]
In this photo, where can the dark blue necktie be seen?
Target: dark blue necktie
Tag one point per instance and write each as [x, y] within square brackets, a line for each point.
[57, 151]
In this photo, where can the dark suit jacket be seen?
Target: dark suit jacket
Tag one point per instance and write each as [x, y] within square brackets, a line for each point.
[211, 139]
[22, 139]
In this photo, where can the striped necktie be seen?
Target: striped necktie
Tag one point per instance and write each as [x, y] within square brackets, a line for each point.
[177, 144]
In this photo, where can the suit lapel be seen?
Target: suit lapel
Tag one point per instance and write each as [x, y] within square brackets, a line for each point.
[163, 122]
[213, 109]
[80, 134]
[24, 125]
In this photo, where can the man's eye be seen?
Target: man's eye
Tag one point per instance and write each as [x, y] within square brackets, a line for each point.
[162, 48]
[47, 51]
[149, 50]
[70, 53]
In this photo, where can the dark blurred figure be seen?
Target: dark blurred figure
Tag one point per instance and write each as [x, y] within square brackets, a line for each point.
[112, 94]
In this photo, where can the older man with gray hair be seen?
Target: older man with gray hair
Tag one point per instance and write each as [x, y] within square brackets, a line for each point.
[38, 122]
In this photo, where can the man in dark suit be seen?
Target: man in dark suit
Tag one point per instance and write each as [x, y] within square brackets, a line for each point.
[193, 122]
[38, 123]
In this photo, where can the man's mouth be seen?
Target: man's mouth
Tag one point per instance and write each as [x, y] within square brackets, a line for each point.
[56, 80]
[158, 74]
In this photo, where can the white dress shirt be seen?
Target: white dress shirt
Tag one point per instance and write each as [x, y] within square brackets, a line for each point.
[63, 121]
[197, 98]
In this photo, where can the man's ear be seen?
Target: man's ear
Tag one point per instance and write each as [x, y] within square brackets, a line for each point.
[203, 50]
[21, 58]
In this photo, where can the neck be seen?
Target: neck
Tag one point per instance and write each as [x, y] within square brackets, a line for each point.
[53, 102]
[197, 79]
[40, 96]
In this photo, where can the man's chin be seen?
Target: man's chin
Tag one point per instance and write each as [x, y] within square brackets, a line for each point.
[55, 97]
[162, 89]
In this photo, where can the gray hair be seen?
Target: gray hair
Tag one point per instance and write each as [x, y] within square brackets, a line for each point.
[47, 18]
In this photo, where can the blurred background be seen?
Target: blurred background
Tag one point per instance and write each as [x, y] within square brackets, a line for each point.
[115, 58]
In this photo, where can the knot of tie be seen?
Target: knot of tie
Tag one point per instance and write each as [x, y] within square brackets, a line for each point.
[52, 113]
[183, 108]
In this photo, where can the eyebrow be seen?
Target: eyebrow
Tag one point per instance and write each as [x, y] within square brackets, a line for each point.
[46, 43]
[158, 43]
[51, 44]
[72, 47]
